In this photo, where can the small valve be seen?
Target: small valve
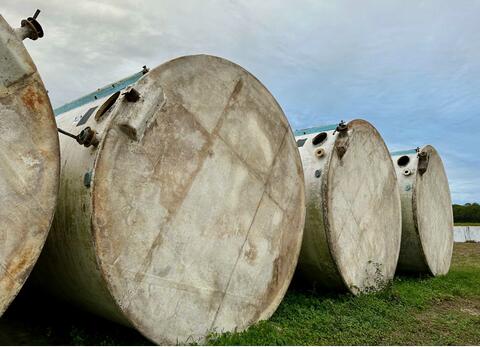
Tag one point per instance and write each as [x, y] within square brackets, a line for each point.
[30, 28]
[341, 127]
[87, 137]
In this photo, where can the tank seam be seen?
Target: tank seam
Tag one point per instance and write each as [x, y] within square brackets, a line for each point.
[248, 233]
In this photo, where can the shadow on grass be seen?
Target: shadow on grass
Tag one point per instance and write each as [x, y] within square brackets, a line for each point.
[412, 310]
[34, 318]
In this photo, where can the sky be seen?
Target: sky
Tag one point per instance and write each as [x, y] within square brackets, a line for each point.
[410, 67]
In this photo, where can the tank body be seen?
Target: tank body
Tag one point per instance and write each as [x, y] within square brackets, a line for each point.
[188, 216]
[29, 163]
[427, 216]
[353, 222]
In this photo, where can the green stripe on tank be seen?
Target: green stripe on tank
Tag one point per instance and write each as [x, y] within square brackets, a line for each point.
[314, 130]
[100, 93]
[408, 151]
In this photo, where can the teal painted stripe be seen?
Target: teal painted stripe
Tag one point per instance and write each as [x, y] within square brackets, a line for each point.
[408, 151]
[100, 93]
[314, 130]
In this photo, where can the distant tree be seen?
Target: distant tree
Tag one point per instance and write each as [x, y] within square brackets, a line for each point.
[468, 213]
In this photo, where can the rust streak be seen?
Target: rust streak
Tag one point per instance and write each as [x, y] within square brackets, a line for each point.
[32, 99]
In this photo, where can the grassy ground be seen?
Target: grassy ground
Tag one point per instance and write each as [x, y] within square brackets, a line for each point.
[421, 311]
[444, 310]
[467, 224]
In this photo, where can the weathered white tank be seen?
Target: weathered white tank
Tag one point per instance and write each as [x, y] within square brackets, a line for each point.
[185, 213]
[353, 223]
[427, 216]
[29, 159]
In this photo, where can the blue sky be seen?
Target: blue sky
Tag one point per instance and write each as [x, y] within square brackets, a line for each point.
[412, 68]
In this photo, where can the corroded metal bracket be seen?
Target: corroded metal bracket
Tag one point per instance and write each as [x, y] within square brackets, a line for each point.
[87, 137]
[341, 144]
[138, 110]
[423, 158]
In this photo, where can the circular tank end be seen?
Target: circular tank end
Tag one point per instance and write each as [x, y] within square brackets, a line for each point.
[198, 221]
[433, 215]
[362, 209]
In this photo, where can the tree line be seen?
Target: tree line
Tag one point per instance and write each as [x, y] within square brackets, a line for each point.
[468, 213]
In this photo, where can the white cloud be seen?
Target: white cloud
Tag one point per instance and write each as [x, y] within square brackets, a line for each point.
[411, 68]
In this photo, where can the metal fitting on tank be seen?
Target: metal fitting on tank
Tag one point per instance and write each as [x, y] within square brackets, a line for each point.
[88, 137]
[132, 95]
[342, 127]
[341, 144]
[30, 28]
[422, 162]
[319, 152]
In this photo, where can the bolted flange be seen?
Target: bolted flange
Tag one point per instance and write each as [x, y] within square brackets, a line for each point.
[88, 137]
[30, 28]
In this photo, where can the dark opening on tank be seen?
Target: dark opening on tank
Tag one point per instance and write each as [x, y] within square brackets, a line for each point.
[106, 105]
[301, 142]
[403, 160]
[319, 139]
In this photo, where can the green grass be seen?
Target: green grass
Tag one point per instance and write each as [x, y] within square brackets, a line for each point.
[467, 224]
[443, 310]
[418, 311]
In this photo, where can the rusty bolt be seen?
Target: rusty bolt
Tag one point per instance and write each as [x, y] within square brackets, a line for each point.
[88, 137]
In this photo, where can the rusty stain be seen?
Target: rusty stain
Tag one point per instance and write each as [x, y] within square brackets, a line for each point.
[333, 256]
[32, 98]
[32, 156]
[251, 253]
[427, 217]
[189, 229]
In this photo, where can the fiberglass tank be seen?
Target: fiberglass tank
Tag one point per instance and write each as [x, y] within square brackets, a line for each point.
[185, 213]
[29, 159]
[353, 222]
[427, 216]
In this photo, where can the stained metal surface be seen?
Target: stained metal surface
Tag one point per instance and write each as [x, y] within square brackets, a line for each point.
[353, 223]
[29, 162]
[427, 216]
[188, 216]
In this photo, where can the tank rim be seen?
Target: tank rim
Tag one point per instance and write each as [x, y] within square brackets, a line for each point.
[428, 265]
[268, 310]
[328, 211]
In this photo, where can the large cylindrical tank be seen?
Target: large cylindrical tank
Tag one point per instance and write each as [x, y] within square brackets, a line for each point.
[186, 213]
[29, 160]
[427, 216]
[353, 223]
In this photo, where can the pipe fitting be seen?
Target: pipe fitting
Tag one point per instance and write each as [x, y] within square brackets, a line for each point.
[30, 28]
[88, 137]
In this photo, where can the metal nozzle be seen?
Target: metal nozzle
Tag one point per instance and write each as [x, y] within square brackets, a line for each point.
[30, 28]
